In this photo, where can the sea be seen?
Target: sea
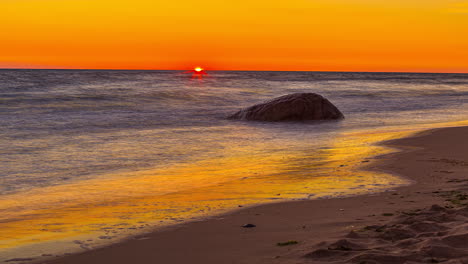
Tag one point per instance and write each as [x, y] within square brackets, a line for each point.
[93, 157]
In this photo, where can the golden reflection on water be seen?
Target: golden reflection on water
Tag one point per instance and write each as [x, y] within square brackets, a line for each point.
[105, 209]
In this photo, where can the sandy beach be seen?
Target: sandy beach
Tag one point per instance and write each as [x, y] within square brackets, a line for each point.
[403, 225]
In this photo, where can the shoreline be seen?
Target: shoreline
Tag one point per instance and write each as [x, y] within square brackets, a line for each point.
[339, 176]
[221, 239]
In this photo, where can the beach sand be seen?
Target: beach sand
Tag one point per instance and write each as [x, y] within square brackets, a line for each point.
[397, 226]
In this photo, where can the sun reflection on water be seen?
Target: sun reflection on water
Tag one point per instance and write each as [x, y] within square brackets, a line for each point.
[89, 213]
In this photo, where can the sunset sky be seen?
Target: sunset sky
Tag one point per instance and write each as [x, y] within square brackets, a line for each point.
[315, 35]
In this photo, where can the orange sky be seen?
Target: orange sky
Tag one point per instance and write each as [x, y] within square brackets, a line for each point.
[316, 35]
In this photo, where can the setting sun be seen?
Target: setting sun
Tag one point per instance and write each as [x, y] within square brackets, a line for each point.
[198, 69]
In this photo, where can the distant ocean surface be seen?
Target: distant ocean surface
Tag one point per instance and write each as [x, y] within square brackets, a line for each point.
[123, 150]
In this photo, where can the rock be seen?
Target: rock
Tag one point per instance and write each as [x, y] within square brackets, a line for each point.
[345, 245]
[248, 226]
[291, 107]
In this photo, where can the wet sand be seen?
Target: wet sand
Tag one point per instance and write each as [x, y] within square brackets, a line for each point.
[397, 226]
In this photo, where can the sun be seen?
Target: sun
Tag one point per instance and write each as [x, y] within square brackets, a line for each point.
[198, 69]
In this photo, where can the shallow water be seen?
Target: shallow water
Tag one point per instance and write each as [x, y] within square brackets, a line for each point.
[99, 155]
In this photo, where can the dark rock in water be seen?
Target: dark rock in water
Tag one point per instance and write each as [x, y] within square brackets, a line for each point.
[248, 226]
[291, 107]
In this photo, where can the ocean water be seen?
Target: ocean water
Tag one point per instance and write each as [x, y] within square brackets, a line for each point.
[97, 156]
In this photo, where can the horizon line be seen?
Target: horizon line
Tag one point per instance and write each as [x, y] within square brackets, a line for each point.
[324, 71]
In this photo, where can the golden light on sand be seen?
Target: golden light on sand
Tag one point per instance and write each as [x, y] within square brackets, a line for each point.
[91, 209]
[191, 191]
[198, 69]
